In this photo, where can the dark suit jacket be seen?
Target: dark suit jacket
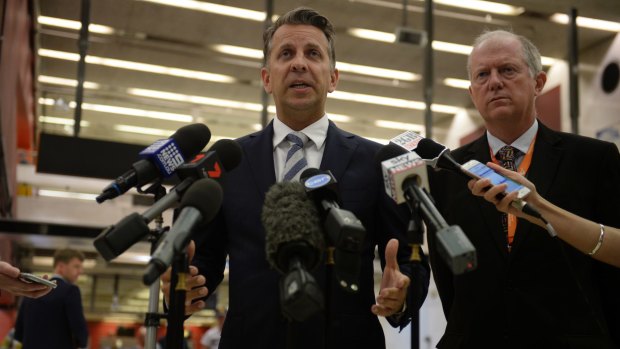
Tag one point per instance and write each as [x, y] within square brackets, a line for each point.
[254, 319]
[55, 320]
[544, 293]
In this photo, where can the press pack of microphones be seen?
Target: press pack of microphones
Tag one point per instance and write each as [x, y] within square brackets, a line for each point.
[300, 220]
[198, 191]
[404, 164]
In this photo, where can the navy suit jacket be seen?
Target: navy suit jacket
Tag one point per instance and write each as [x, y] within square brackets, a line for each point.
[544, 293]
[55, 320]
[254, 319]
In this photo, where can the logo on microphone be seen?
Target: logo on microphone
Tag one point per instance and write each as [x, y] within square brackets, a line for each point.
[408, 140]
[317, 181]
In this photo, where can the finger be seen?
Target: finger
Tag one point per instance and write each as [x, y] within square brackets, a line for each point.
[391, 251]
[195, 294]
[191, 250]
[195, 281]
[481, 186]
[381, 310]
[167, 276]
[9, 270]
[194, 307]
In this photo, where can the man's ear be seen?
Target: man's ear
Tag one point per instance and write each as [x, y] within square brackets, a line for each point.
[541, 80]
[266, 78]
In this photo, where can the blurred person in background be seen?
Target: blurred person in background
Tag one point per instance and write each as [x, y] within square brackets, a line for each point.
[57, 319]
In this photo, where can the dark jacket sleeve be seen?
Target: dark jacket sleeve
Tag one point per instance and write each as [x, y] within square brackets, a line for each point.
[75, 314]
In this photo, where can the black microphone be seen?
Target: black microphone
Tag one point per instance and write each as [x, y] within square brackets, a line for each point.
[344, 230]
[222, 157]
[293, 245]
[436, 155]
[199, 205]
[406, 173]
[160, 159]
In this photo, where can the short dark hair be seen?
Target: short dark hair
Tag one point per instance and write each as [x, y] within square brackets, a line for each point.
[65, 255]
[302, 15]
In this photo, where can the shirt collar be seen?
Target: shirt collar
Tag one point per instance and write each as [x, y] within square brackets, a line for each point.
[317, 132]
[522, 143]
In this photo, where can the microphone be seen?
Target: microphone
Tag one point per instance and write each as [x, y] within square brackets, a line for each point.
[397, 165]
[223, 156]
[293, 245]
[199, 205]
[159, 159]
[436, 155]
[343, 229]
[403, 175]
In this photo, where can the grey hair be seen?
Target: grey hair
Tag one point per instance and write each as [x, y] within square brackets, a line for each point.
[531, 55]
[302, 15]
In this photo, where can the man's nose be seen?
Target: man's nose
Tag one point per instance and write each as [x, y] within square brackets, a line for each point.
[299, 63]
[495, 80]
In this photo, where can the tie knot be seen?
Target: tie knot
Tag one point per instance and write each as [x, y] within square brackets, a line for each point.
[507, 156]
[297, 138]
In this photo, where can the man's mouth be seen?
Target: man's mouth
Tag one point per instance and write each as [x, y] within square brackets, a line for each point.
[299, 85]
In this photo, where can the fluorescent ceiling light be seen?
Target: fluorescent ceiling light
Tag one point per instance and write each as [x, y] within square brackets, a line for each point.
[484, 6]
[75, 25]
[239, 51]
[339, 117]
[400, 125]
[588, 22]
[61, 121]
[372, 35]
[214, 8]
[378, 72]
[137, 66]
[437, 45]
[456, 83]
[66, 194]
[65, 82]
[49, 262]
[342, 66]
[143, 130]
[452, 48]
[381, 140]
[111, 109]
[392, 102]
[217, 102]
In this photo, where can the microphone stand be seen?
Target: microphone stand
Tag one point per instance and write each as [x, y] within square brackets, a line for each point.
[176, 312]
[152, 317]
[415, 235]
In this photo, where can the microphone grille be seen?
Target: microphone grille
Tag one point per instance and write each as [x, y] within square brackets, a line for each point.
[191, 139]
[292, 226]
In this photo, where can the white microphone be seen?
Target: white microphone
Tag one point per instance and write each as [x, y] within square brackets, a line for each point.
[400, 168]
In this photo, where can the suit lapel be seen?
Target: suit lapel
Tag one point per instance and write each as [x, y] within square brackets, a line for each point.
[259, 155]
[339, 147]
[479, 150]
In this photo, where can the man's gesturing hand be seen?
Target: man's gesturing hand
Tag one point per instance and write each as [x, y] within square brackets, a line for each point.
[195, 285]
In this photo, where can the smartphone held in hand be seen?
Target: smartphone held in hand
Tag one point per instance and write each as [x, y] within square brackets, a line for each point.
[31, 278]
[478, 170]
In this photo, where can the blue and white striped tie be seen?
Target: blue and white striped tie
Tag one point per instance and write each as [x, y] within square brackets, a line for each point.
[295, 158]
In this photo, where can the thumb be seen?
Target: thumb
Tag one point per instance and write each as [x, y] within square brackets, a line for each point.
[391, 251]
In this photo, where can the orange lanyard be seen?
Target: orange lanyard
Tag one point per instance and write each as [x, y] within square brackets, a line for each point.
[522, 169]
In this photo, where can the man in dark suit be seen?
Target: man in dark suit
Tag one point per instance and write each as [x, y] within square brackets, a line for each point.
[57, 319]
[299, 72]
[529, 290]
